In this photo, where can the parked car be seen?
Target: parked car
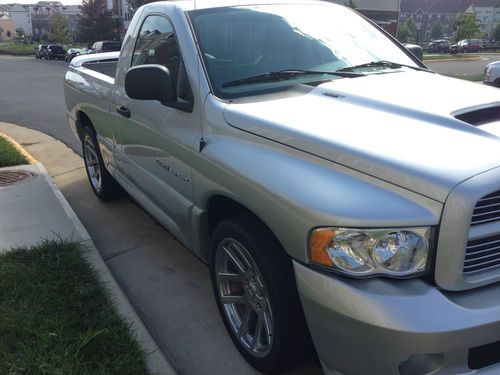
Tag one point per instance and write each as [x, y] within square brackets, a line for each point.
[41, 51]
[55, 52]
[86, 51]
[492, 74]
[106, 46]
[438, 46]
[466, 45]
[321, 170]
[71, 53]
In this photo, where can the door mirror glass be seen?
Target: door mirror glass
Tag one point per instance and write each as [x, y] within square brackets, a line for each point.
[150, 82]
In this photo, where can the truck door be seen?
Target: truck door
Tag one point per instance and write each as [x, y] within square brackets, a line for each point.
[155, 139]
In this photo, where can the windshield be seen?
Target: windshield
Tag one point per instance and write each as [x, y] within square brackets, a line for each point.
[246, 41]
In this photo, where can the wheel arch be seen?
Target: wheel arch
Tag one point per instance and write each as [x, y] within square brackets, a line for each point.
[221, 207]
[83, 121]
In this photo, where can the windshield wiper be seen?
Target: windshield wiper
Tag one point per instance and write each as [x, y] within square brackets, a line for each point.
[286, 74]
[382, 63]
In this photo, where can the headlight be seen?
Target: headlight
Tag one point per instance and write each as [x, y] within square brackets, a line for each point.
[399, 252]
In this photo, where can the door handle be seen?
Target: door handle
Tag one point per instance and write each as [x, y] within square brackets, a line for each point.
[124, 111]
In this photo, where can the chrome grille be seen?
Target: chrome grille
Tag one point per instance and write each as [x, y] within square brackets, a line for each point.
[482, 254]
[487, 209]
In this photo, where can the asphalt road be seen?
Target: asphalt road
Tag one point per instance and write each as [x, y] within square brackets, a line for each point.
[31, 95]
[463, 67]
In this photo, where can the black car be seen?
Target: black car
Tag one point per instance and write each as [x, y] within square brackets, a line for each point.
[55, 52]
[438, 46]
[41, 51]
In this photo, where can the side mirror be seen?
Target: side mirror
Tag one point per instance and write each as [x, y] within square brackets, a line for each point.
[416, 50]
[150, 82]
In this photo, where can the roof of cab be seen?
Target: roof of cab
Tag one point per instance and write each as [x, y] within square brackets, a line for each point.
[187, 5]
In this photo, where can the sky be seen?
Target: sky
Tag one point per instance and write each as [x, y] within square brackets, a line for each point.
[65, 2]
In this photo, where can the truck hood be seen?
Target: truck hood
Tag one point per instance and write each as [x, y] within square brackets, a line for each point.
[417, 130]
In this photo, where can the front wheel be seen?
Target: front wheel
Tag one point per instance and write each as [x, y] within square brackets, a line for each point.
[101, 181]
[254, 286]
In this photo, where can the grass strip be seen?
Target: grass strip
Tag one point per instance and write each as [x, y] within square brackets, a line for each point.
[18, 49]
[56, 319]
[467, 77]
[9, 155]
[450, 57]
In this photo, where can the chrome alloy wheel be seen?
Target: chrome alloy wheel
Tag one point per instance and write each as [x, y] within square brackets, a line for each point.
[244, 297]
[92, 162]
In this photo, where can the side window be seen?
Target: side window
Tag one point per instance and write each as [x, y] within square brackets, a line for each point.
[156, 44]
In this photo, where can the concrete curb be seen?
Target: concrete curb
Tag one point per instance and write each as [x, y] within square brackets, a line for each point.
[155, 360]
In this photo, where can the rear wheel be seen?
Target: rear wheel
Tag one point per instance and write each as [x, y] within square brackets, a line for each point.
[101, 181]
[254, 286]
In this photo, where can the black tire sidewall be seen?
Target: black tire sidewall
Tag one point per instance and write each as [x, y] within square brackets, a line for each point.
[108, 185]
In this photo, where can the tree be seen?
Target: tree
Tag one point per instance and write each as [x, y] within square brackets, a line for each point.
[437, 30]
[133, 5]
[59, 32]
[466, 26]
[496, 32]
[407, 30]
[96, 22]
[412, 26]
[403, 33]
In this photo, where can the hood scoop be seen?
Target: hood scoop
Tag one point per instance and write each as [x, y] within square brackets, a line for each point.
[480, 116]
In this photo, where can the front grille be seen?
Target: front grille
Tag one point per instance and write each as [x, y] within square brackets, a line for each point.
[482, 254]
[487, 209]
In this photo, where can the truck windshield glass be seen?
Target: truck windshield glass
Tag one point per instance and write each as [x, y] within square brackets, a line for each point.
[246, 41]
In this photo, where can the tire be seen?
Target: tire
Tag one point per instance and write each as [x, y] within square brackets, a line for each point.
[254, 286]
[101, 181]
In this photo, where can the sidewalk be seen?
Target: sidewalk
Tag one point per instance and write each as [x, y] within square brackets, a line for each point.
[33, 209]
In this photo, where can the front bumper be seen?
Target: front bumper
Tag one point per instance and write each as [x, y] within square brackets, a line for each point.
[373, 326]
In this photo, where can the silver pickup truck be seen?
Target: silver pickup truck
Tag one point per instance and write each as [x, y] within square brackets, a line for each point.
[337, 188]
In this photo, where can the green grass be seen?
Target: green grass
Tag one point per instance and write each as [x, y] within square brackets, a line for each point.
[18, 49]
[56, 319]
[9, 155]
[448, 57]
[470, 77]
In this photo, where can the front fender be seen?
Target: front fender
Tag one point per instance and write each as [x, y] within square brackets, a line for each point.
[293, 192]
